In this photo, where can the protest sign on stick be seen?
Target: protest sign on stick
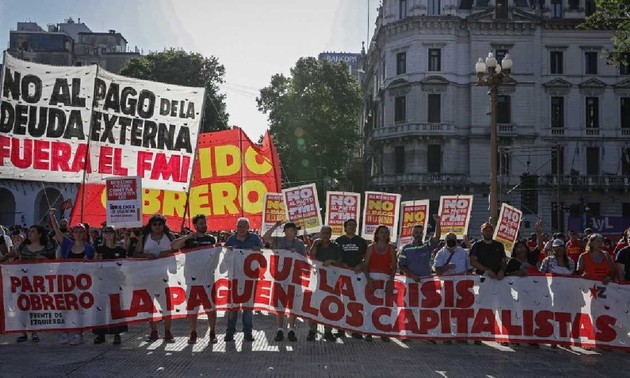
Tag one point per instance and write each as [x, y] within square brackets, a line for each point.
[380, 209]
[302, 207]
[455, 214]
[341, 206]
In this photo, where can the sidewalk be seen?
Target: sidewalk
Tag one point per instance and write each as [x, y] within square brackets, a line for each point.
[265, 357]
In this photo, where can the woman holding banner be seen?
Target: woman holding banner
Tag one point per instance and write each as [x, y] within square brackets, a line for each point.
[594, 263]
[380, 258]
[155, 241]
[72, 248]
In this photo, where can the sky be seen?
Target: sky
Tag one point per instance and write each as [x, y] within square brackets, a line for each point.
[253, 39]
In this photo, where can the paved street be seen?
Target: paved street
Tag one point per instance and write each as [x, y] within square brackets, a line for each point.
[265, 357]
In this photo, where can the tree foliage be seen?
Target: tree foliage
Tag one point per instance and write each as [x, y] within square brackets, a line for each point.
[313, 117]
[188, 69]
[613, 15]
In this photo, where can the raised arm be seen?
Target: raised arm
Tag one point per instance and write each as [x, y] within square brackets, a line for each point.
[55, 226]
[438, 229]
[267, 238]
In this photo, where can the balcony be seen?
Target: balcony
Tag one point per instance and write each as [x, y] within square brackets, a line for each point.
[405, 130]
[419, 179]
[555, 132]
[578, 182]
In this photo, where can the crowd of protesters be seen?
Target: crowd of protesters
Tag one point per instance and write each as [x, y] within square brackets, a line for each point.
[588, 255]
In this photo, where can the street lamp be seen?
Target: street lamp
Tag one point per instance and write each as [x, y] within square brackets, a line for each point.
[492, 74]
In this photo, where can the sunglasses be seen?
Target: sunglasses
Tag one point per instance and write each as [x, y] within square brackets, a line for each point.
[157, 224]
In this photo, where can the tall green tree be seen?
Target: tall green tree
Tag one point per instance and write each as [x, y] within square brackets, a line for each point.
[188, 69]
[613, 15]
[313, 115]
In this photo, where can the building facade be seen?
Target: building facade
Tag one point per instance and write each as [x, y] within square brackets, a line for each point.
[563, 121]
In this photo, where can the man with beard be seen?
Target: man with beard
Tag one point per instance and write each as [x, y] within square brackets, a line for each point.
[193, 240]
[354, 248]
[415, 258]
[488, 256]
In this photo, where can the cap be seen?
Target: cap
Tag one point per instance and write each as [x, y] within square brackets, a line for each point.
[79, 225]
[109, 229]
[557, 243]
[290, 225]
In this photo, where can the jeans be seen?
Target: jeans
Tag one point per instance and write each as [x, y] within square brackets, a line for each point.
[248, 321]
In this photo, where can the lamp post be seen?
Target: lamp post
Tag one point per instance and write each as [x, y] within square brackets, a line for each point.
[492, 74]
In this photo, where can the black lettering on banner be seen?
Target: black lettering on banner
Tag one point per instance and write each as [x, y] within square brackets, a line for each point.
[74, 129]
[148, 137]
[56, 123]
[128, 105]
[11, 84]
[183, 140]
[190, 113]
[601, 291]
[95, 127]
[124, 124]
[26, 89]
[100, 90]
[166, 136]
[146, 95]
[20, 120]
[112, 101]
[136, 132]
[77, 100]
[18, 86]
[110, 122]
[7, 117]
[60, 93]
[37, 129]
[165, 106]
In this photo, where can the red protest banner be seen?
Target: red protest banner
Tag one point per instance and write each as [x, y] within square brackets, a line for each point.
[230, 178]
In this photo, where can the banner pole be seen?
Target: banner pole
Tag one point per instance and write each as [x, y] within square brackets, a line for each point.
[240, 149]
[192, 168]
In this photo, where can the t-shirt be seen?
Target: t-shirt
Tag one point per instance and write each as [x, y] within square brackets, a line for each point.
[155, 247]
[332, 251]
[354, 249]
[460, 259]
[200, 241]
[111, 253]
[550, 265]
[623, 257]
[26, 253]
[417, 258]
[66, 250]
[251, 241]
[515, 265]
[295, 244]
[488, 254]
[573, 249]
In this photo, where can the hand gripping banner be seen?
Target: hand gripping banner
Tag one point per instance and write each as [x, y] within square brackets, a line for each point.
[82, 295]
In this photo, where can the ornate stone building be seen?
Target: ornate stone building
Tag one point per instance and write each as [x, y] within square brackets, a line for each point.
[563, 121]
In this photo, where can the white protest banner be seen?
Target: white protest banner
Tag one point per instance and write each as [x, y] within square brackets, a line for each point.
[72, 295]
[273, 211]
[341, 206]
[45, 116]
[302, 207]
[455, 214]
[124, 201]
[380, 209]
[413, 213]
[145, 129]
[506, 231]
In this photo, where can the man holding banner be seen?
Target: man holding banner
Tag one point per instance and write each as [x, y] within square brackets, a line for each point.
[488, 256]
[415, 258]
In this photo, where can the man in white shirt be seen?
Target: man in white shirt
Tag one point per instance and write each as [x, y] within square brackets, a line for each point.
[452, 259]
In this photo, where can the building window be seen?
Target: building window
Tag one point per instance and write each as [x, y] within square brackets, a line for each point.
[557, 112]
[590, 63]
[592, 161]
[555, 58]
[503, 109]
[592, 113]
[522, 3]
[466, 4]
[400, 104]
[433, 7]
[625, 161]
[434, 110]
[625, 112]
[499, 54]
[529, 194]
[574, 4]
[435, 60]
[402, 9]
[557, 218]
[556, 8]
[401, 63]
[434, 158]
[589, 7]
[399, 159]
[104, 50]
[557, 160]
[503, 158]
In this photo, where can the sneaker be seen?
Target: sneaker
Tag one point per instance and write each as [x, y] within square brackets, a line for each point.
[76, 340]
[385, 339]
[99, 339]
[22, 338]
[341, 334]
[356, 335]
[192, 339]
[291, 336]
[368, 338]
[228, 337]
[65, 338]
[328, 335]
[311, 335]
[117, 340]
[154, 336]
[279, 336]
[213, 338]
[248, 337]
[35, 338]
[168, 337]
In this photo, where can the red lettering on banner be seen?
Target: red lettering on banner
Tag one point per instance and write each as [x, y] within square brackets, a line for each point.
[446, 324]
[582, 327]
[301, 273]
[466, 295]
[406, 320]
[257, 272]
[50, 283]
[162, 167]
[141, 302]
[564, 321]
[355, 314]
[606, 332]
[544, 328]
[323, 282]
[263, 292]
[326, 311]
[246, 295]
[198, 298]
[306, 304]
[345, 287]
[506, 321]
[485, 322]
[221, 292]
[463, 317]
[429, 320]
[370, 293]
[174, 297]
[280, 275]
[431, 291]
[281, 298]
[376, 319]
[414, 294]
[528, 322]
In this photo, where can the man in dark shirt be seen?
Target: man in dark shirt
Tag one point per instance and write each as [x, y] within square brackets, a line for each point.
[487, 256]
[354, 248]
[193, 240]
[329, 253]
[623, 265]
